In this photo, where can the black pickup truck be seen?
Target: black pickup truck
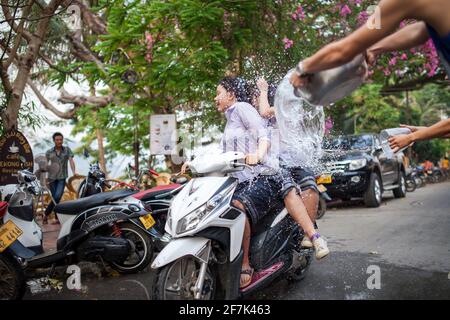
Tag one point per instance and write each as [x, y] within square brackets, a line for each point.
[356, 166]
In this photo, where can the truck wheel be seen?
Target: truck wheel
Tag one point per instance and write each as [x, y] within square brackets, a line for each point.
[322, 208]
[400, 192]
[372, 196]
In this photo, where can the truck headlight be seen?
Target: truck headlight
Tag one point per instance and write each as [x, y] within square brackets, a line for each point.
[357, 164]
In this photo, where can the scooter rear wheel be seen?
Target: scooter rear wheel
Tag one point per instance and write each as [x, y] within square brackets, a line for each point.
[143, 249]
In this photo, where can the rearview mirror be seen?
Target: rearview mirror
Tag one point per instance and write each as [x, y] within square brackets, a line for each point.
[86, 153]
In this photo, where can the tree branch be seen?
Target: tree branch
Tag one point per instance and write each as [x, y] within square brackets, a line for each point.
[49, 106]
[415, 84]
[84, 54]
[79, 101]
[10, 19]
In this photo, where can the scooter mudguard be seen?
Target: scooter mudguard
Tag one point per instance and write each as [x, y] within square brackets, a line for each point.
[178, 248]
[19, 250]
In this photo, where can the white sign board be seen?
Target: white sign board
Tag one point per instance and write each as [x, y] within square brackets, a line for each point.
[163, 134]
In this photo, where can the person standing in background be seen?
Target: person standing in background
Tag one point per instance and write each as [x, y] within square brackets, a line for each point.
[57, 158]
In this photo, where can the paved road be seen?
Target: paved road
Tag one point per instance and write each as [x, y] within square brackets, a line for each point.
[407, 239]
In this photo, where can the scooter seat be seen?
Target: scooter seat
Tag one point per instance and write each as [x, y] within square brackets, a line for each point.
[75, 207]
[151, 194]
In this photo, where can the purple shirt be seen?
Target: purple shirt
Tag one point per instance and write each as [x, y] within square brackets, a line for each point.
[244, 129]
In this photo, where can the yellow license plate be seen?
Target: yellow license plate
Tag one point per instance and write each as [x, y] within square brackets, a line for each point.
[147, 221]
[322, 188]
[324, 179]
[9, 233]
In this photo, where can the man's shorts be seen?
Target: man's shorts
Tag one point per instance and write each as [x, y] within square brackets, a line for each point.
[296, 178]
[259, 196]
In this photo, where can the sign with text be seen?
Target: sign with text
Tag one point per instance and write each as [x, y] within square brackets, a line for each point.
[13, 147]
[163, 134]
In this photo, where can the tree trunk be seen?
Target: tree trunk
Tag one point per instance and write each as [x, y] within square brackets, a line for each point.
[25, 63]
[99, 133]
[101, 150]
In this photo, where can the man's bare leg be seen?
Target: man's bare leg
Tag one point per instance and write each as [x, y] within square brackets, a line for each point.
[298, 212]
[311, 201]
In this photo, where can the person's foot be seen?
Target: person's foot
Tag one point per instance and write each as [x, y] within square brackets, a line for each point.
[320, 245]
[246, 276]
[306, 242]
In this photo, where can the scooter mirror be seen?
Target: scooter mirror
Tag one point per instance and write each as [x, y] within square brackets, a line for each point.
[86, 153]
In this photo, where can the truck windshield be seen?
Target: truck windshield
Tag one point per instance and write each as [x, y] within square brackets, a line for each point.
[359, 142]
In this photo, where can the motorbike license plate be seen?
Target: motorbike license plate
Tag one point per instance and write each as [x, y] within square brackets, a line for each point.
[9, 233]
[322, 188]
[147, 221]
[324, 179]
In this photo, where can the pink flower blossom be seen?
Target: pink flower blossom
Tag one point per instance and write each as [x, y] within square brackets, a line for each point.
[328, 125]
[393, 62]
[298, 14]
[345, 11]
[288, 43]
[387, 72]
[362, 17]
[404, 56]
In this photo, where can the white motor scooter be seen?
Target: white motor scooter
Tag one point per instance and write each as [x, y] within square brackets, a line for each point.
[204, 258]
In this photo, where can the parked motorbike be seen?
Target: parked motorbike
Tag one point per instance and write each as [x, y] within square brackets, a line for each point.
[411, 179]
[156, 200]
[94, 183]
[112, 227]
[204, 258]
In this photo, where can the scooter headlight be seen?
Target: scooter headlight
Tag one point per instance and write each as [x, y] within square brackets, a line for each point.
[191, 220]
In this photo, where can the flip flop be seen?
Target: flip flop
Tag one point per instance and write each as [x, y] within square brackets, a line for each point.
[247, 272]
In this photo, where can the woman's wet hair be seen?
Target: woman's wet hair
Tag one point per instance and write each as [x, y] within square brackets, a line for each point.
[236, 86]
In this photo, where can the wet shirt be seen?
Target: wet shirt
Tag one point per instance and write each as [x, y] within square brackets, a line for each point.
[301, 128]
[58, 163]
[245, 128]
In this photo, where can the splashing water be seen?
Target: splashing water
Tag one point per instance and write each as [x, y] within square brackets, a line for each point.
[301, 128]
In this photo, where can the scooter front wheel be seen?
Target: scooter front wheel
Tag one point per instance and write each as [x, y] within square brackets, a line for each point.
[177, 280]
[12, 281]
[142, 253]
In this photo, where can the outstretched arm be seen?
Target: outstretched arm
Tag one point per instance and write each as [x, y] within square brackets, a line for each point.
[409, 37]
[438, 130]
[392, 12]
[265, 110]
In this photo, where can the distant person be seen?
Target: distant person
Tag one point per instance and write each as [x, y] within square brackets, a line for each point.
[57, 158]
[428, 165]
[434, 23]
[445, 166]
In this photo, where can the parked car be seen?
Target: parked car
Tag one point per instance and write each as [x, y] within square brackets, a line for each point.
[356, 166]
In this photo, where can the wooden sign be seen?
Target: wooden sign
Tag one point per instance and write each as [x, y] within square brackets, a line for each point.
[13, 147]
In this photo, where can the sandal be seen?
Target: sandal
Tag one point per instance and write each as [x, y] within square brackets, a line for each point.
[247, 272]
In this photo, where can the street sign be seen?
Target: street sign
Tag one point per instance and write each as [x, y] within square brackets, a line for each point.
[13, 147]
[163, 134]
